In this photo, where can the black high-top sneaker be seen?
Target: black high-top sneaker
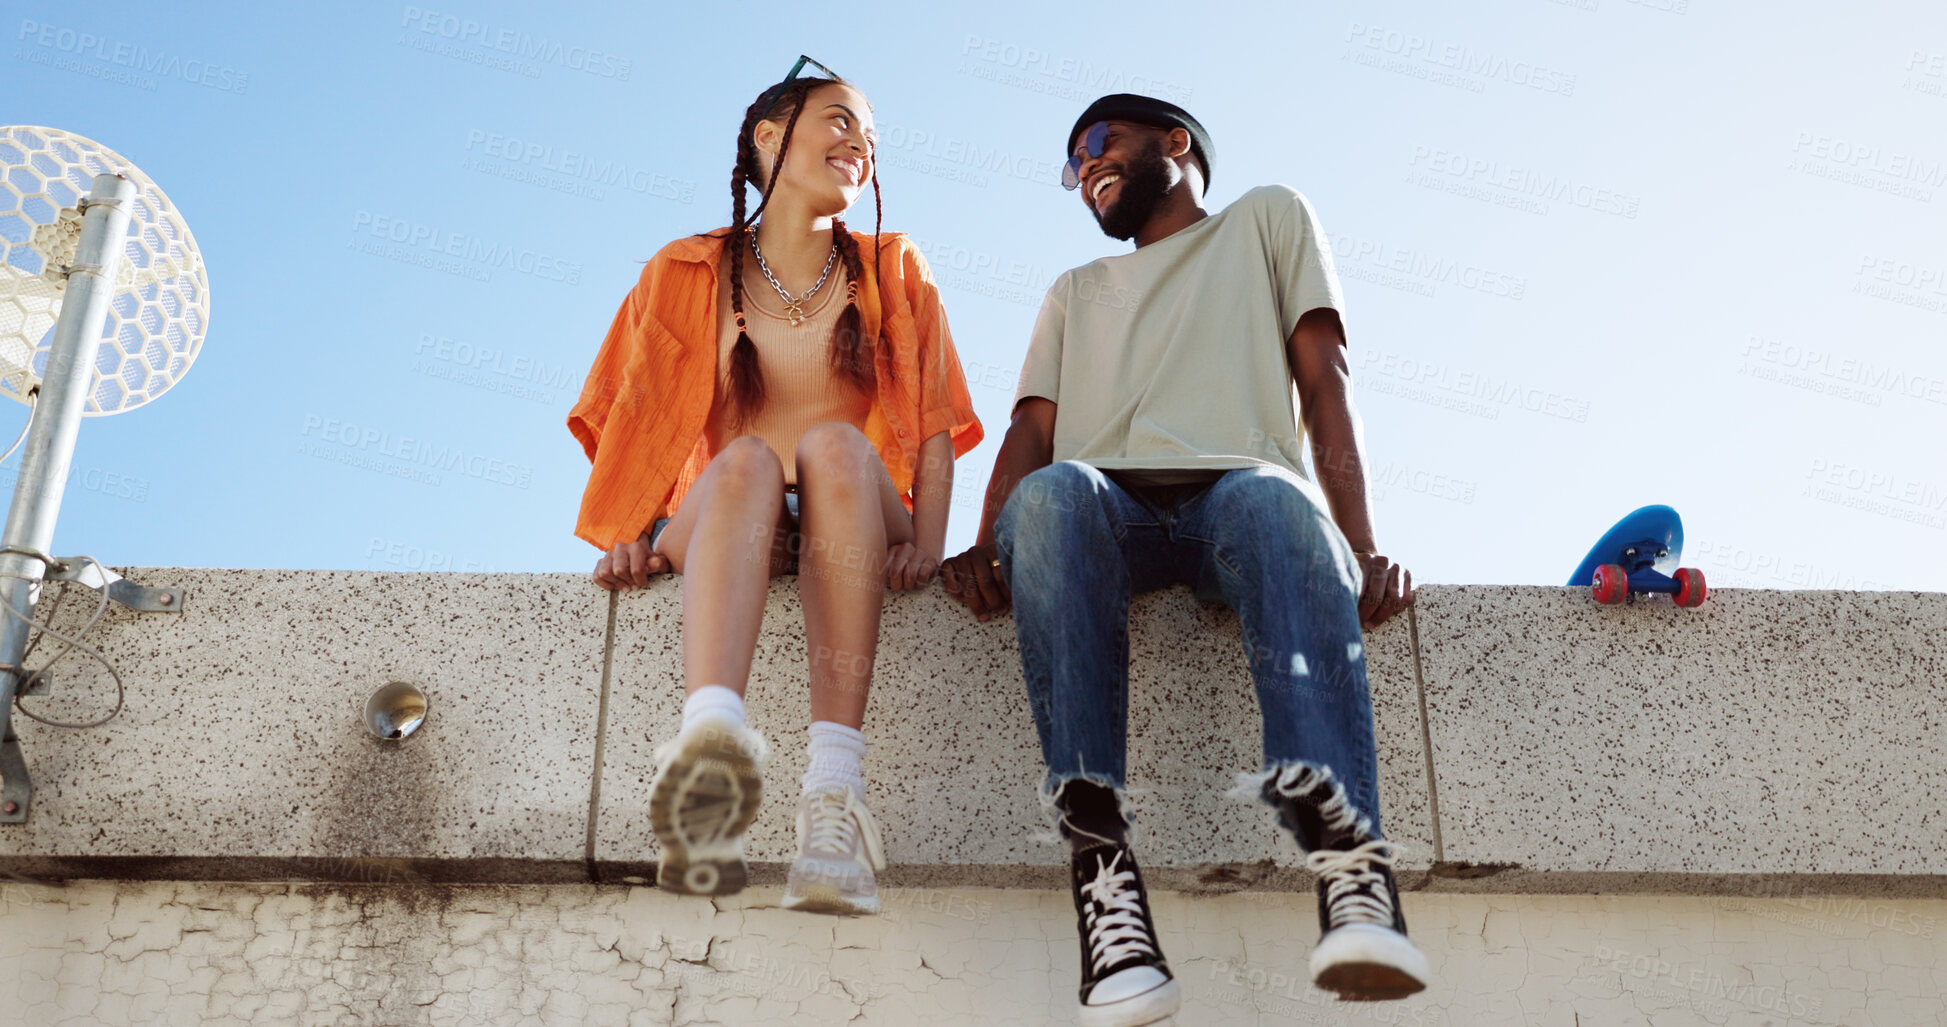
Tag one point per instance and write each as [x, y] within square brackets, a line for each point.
[1125, 980]
[1363, 952]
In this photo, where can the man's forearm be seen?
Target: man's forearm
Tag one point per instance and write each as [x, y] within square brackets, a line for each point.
[1339, 458]
[1024, 451]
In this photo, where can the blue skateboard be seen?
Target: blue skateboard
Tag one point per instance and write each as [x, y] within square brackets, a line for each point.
[1640, 554]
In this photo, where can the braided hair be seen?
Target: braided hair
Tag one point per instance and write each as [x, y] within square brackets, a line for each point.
[852, 354]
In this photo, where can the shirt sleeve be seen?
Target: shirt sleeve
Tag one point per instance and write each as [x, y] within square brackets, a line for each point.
[1301, 256]
[589, 417]
[1041, 371]
[945, 405]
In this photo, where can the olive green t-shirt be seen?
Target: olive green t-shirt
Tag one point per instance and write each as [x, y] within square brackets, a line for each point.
[1168, 364]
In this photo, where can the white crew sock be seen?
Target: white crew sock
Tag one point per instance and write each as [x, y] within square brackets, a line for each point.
[836, 753]
[713, 701]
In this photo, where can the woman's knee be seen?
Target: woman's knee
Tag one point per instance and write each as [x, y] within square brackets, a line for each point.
[835, 449]
[747, 468]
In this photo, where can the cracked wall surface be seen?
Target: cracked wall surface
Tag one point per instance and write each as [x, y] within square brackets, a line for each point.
[189, 953]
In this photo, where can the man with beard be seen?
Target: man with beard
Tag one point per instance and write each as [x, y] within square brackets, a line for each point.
[1156, 440]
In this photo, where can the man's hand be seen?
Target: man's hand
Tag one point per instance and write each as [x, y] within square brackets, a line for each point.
[1388, 589]
[909, 567]
[974, 578]
[629, 565]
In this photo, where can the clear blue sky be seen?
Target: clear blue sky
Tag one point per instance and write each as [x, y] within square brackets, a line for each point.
[1597, 253]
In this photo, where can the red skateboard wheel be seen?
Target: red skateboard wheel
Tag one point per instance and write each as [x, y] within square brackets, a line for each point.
[1690, 587]
[1611, 584]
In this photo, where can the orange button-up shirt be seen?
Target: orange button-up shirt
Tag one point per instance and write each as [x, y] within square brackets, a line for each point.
[642, 412]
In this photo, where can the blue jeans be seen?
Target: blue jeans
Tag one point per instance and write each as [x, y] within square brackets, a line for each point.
[1075, 545]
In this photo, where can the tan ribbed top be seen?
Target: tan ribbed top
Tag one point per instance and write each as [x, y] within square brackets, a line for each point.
[800, 389]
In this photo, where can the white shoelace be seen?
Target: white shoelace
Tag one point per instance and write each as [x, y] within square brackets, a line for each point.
[1299, 780]
[1115, 927]
[1347, 877]
[837, 818]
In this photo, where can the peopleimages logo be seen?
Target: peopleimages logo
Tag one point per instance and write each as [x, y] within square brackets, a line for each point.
[1926, 72]
[1705, 983]
[1065, 77]
[491, 369]
[1902, 281]
[1875, 378]
[1524, 182]
[1420, 51]
[1879, 483]
[1427, 269]
[1904, 273]
[108, 483]
[435, 241]
[943, 155]
[493, 360]
[573, 165]
[416, 558]
[1867, 157]
[416, 455]
[160, 63]
[523, 45]
[1751, 568]
[1850, 162]
[1496, 392]
[941, 256]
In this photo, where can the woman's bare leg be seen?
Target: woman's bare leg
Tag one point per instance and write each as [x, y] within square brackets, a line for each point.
[849, 515]
[726, 540]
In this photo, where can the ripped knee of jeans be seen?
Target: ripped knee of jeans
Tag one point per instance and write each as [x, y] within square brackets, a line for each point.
[1086, 808]
[1311, 802]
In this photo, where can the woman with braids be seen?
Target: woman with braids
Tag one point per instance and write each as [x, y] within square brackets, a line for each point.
[779, 395]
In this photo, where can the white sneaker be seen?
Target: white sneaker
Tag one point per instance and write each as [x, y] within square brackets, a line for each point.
[704, 797]
[838, 852]
[1363, 953]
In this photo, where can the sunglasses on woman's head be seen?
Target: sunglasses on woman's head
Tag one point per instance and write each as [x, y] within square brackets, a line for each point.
[785, 85]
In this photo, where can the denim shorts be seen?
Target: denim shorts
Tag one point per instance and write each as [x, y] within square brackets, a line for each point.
[790, 503]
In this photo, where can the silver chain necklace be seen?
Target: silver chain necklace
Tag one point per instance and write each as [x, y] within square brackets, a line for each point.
[793, 306]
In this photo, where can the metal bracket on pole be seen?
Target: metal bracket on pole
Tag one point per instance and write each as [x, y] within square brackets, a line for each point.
[120, 589]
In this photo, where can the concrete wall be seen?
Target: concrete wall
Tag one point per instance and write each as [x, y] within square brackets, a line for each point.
[241, 757]
[229, 955]
[1587, 793]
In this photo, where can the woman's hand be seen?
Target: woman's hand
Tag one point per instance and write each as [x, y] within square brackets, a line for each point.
[909, 567]
[629, 565]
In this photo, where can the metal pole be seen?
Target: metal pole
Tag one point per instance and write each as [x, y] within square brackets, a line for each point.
[50, 449]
